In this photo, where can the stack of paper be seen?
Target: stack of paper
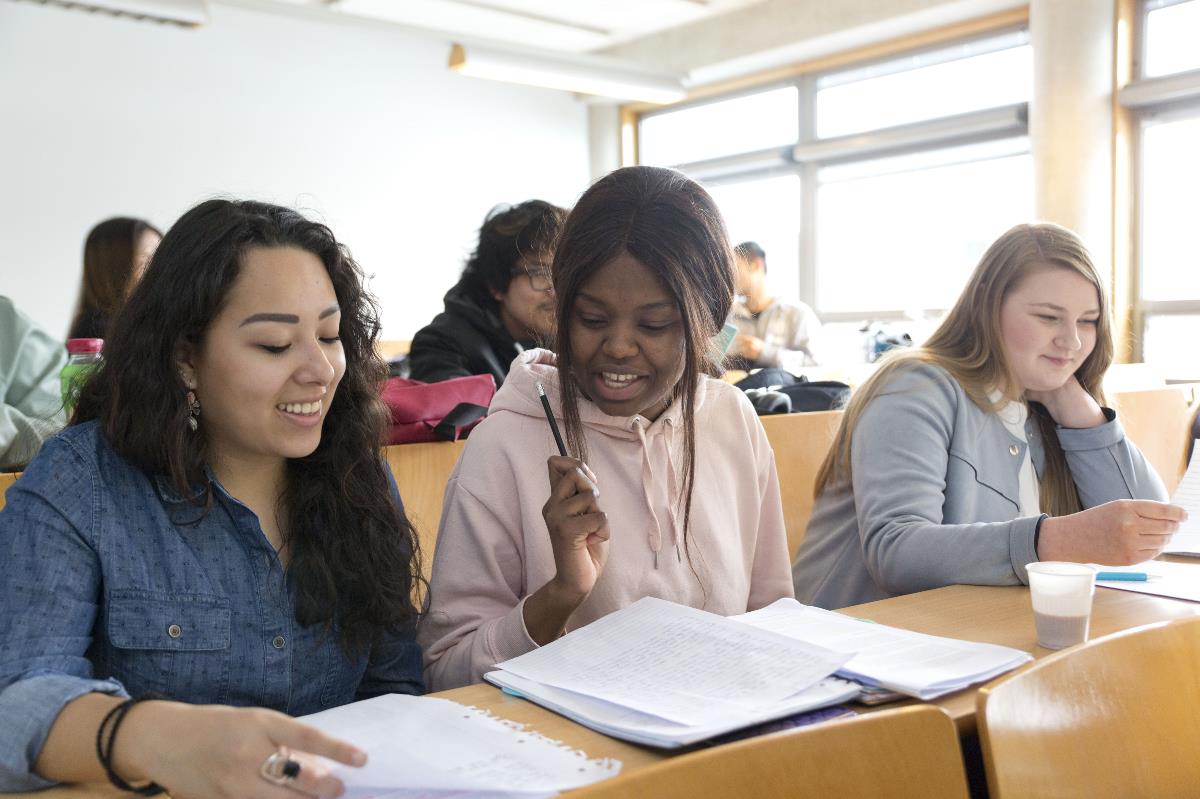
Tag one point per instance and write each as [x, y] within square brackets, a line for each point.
[421, 747]
[924, 666]
[667, 675]
[1187, 540]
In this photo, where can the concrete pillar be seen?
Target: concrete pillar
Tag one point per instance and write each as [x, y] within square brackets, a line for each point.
[1071, 118]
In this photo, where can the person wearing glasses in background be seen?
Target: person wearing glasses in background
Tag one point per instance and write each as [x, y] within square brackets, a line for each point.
[502, 305]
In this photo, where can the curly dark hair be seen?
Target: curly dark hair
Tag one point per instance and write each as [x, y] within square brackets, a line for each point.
[671, 225]
[509, 233]
[355, 557]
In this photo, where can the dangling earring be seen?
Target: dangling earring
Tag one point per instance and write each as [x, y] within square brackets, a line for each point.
[193, 407]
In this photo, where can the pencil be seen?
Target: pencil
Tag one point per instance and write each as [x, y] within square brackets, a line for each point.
[562, 450]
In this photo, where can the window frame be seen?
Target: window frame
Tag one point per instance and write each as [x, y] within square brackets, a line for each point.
[810, 154]
[1162, 99]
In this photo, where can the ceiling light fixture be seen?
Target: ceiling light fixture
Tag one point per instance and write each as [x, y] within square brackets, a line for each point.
[594, 75]
[185, 13]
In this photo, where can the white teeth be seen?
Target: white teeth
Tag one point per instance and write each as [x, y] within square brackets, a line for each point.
[300, 408]
[612, 377]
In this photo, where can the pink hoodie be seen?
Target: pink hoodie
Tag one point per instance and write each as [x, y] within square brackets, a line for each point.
[493, 548]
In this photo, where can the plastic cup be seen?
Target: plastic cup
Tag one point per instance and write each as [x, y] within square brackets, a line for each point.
[1062, 602]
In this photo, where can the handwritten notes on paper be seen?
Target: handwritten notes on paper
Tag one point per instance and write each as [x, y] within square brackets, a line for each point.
[925, 666]
[677, 663]
[419, 747]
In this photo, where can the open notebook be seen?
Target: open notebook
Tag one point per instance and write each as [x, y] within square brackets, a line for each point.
[667, 675]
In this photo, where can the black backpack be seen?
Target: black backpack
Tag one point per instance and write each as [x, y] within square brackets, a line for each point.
[775, 390]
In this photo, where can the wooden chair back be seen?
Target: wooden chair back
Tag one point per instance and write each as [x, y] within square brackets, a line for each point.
[907, 752]
[421, 472]
[800, 441]
[1114, 717]
[392, 348]
[6, 479]
[1159, 421]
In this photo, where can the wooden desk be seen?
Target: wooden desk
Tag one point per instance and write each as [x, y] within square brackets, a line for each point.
[996, 615]
[1002, 615]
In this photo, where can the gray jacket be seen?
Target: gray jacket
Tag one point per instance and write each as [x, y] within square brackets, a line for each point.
[933, 499]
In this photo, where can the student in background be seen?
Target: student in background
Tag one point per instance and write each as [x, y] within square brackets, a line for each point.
[987, 448]
[502, 304]
[770, 332]
[671, 491]
[216, 527]
[114, 256]
[31, 407]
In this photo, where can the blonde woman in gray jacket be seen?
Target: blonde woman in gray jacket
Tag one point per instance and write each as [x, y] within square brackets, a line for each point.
[989, 447]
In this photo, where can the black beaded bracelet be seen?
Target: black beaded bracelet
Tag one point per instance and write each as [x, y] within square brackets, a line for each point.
[106, 736]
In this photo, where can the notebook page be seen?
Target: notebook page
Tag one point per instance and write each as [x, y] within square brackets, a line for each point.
[1187, 495]
[677, 663]
[914, 663]
[421, 746]
[1174, 580]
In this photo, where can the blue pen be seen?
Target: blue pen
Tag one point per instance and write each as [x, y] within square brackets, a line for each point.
[1131, 577]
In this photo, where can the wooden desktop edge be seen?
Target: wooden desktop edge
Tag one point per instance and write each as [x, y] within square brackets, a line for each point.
[986, 614]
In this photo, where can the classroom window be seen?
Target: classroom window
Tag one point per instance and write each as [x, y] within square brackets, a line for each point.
[903, 234]
[766, 211]
[1172, 32]
[983, 74]
[1171, 242]
[900, 146]
[742, 124]
[1166, 97]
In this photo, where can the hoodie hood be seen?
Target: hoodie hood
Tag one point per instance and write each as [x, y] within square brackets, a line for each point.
[661, 442]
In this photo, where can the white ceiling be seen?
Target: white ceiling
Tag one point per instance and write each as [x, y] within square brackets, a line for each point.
[568, 25]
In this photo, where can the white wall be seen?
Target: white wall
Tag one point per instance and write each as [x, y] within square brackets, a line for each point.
[363, 126]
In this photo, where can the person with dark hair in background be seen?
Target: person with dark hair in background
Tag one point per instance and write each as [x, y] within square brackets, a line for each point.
[770, 332]
[31, 408]
[669, 462]
[502, 305]
[215, 528]
[114, 256]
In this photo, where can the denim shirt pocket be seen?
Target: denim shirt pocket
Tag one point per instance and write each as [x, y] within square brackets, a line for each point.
[176, 644]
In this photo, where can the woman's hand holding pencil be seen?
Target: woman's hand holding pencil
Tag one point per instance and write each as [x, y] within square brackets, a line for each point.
[579, 538]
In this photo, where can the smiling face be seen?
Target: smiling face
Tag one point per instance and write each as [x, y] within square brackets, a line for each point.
[627, 339]
[1048, 326]
[270, 361]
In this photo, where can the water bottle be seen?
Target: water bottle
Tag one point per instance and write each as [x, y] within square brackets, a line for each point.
[84, 357]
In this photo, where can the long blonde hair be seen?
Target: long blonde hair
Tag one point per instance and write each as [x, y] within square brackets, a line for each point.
[967, 344]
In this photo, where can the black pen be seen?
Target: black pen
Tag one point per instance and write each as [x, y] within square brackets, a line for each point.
[562, 450]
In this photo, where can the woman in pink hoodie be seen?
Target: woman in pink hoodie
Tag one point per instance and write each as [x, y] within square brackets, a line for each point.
[681, 500]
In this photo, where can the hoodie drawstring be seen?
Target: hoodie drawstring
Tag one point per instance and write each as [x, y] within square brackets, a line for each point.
[648, 483]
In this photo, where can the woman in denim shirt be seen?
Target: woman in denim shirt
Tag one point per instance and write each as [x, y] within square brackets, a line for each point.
[987, 448]
[215, 526]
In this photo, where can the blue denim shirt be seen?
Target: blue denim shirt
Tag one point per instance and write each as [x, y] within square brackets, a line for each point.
[112, 583]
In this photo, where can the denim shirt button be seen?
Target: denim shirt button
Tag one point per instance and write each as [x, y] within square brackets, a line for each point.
[278, 642]
[1014, 449]
[174, 631]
